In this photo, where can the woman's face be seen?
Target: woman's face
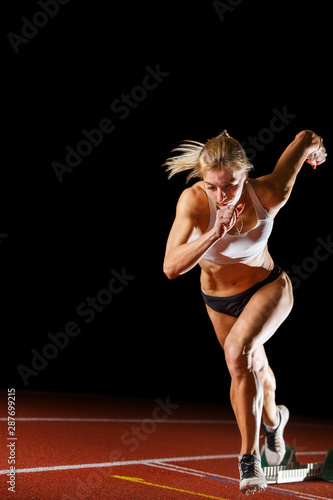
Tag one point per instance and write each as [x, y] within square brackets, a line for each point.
[224, 188]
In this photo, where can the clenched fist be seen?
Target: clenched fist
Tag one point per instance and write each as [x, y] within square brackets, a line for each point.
[226, 218]
[317, 157]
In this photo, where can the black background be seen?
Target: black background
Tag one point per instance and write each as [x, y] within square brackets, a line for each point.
[115, 209]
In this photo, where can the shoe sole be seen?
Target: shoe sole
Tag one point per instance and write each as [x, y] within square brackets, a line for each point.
[253, 489]
[284, 412]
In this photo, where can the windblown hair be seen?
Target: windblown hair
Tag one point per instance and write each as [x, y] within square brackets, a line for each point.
[220, 153]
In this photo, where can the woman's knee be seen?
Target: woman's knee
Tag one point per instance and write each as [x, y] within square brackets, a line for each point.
[238, 357]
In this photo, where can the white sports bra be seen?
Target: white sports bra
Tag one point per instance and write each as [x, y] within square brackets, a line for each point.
[232, 248]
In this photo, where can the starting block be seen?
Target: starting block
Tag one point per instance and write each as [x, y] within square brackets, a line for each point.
[291, 471]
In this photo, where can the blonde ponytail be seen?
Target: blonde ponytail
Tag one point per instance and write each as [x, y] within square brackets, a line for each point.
[188, 160]
[221, 152]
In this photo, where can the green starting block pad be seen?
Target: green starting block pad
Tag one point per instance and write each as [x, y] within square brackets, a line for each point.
[327, 471]
[291, 471]
[289, 457]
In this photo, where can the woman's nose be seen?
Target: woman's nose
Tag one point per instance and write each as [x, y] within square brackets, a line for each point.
[221, 196]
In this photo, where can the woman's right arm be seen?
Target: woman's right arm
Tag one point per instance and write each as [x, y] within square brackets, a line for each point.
[181, 256]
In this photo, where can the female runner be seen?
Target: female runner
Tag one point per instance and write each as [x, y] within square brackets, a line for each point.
[223, 223]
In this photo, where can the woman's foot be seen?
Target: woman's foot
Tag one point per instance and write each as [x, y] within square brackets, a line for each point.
[275, 447]
[252, 478]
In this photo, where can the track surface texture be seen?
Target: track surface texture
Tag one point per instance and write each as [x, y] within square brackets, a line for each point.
[95, 447]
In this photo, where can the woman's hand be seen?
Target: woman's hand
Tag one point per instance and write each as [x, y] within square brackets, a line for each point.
[226, 218]
[317, 157]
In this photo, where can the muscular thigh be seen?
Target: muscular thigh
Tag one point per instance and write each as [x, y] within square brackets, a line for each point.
[263, 314]
[261, 317]
[222, 324]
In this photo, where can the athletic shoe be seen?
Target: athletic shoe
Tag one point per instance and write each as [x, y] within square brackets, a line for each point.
[275, 447]
[252, 478]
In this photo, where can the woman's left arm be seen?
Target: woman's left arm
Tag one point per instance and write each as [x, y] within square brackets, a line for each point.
[274, 189]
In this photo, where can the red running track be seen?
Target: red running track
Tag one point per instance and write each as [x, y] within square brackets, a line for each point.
[95, 447]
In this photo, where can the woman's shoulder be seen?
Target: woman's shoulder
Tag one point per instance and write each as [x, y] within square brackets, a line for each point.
[195, 194]
[194, 200]
[262, 188]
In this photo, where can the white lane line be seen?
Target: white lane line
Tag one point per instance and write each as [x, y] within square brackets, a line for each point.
[166, 421]
[311, 452]
[120, 420]
[192, 472]
[300, 494]
[209, 475]
[134, 462]
[160, 461]
[117, 464]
